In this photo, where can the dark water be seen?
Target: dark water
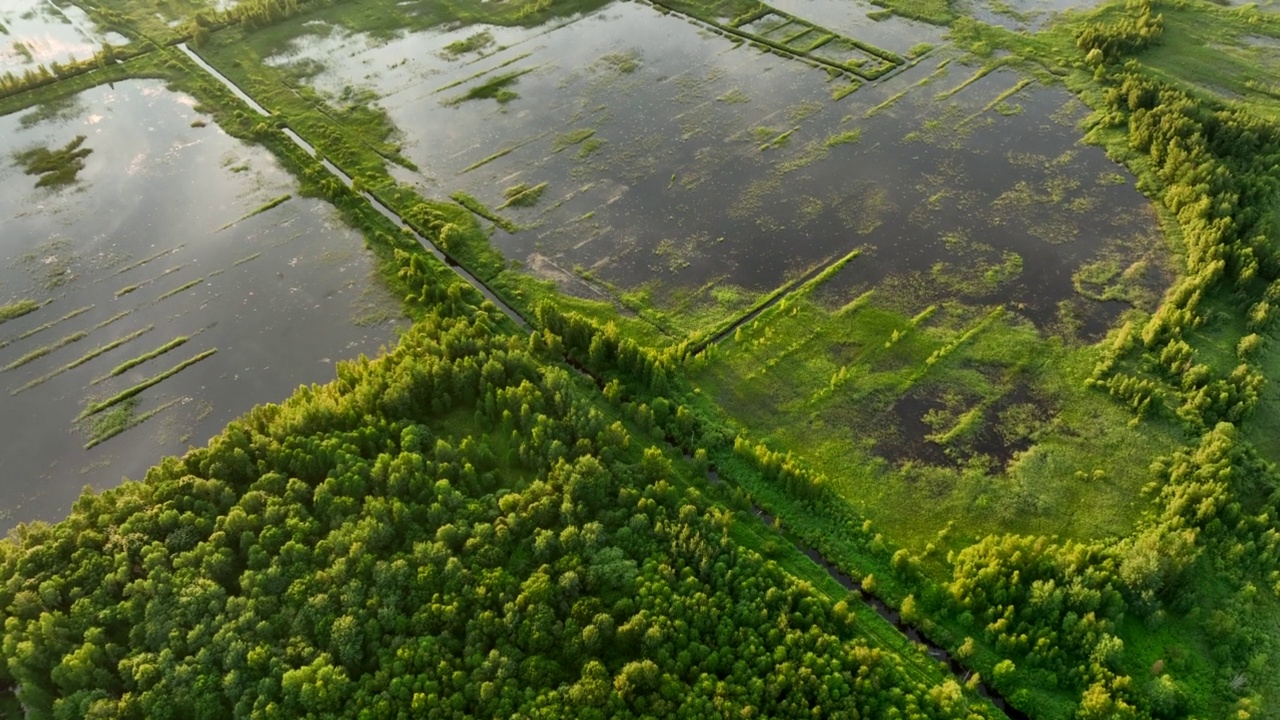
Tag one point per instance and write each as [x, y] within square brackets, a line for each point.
[983, 201]
[161, 204]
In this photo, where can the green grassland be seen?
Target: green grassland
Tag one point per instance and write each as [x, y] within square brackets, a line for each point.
[848, 391]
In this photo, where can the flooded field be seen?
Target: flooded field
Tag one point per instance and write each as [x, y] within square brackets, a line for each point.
[647, 158]
[177, 279]
[36, 33]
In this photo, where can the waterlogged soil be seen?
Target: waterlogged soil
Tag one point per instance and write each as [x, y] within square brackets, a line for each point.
[38, 32]
[696, 173]
[155, 240]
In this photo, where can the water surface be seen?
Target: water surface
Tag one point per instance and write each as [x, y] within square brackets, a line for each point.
[157, 240]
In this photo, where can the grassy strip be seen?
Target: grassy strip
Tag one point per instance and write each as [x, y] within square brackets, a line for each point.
[134, 362]
[1008, 94]
[485, 161]
[717, 333]
[133, 421]
[480, 209]
[51, 323]
[83, 359]
[276, 202]
[855, 304]
[180, 288]
[17, 309]
[780, 140]
[571, 138]
[844, 90]
[982, 72]
[110, 320]
[495, 88]
[155, 380]
[244, 260]
[42, 351]
[480, 74]
[130, 288]
[885, 105]
[524, 196]
[149, 258]
[827, 274]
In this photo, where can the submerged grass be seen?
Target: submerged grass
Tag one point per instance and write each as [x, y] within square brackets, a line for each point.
[41, 328]
[483, 211]
[83, 359]
[568, 139]
[149, 258]
[496, 88]
[45, 350]
[270, 204]
[56, 168]
[95, 408]
[523, 195]
[185, 286]
[126, 290]
[134, 362]
[125, 421]
[17, 309]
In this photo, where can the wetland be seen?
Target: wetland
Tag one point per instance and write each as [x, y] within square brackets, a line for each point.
[972, 301]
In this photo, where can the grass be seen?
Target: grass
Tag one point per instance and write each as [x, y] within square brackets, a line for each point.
[975, 77]
[734, 97]
[110, 320]
[183, 287]
[149, 258]
[83, 359]
[45, 350]
[889, 102]
[123, 419]
[522, 195]
[56, 168]
[41, 328]
[486, 160]
[134, 362]
[129, 289]
[568, 139]
[273, 203]
[778, 141]
[777, 373]
[497, 88]
[14, 310]
[845, 89]
[97, 407]
[472, 43]
[479, 208]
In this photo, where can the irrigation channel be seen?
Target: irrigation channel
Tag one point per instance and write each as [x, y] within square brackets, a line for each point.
[891, 616]
[369, 197]
[913, 634]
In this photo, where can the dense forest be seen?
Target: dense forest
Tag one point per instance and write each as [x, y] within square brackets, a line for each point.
[452, 530]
